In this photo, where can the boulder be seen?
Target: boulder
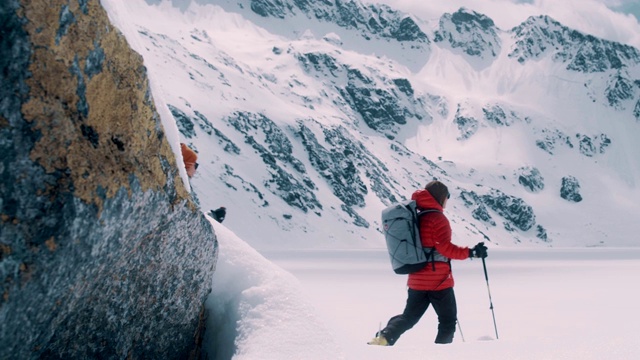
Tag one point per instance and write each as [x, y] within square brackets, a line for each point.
[103, 252]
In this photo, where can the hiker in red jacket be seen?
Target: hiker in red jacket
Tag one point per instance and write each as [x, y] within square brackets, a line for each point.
[434, 283]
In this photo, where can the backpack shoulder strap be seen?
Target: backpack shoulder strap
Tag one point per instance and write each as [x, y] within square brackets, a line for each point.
[422, 212]
[430, 252]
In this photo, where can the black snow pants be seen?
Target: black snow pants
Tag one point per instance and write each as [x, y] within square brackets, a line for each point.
[444, 303]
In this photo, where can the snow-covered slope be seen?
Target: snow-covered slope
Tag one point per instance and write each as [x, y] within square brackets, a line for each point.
[310, 117]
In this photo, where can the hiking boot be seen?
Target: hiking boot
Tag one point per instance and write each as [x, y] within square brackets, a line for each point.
[444, 338]
[379, 340]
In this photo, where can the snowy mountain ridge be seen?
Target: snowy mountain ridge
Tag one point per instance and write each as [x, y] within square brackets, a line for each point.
[583, 52]
[305, 134]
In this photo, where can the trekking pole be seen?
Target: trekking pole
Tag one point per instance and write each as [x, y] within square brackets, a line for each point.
[460, 328]
[484, 265]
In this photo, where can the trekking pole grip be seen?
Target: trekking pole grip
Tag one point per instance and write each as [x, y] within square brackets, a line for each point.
[484, 266]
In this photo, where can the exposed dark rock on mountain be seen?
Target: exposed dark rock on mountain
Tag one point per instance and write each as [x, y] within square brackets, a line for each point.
[229, 146]
[542, 36]
[592, 146]
[275, 8]
[570, 189]
[379, 108]
[497, 116]
[343, 144]
[384, 104]
[473, 33]
[553, 138]
[619, 89]
[203, 122]
[587, 145]
[185, 124]
[517, 214]
[585, 53]
[371, 20]
[337, 157]
[336, 167]
[103, 253]
[275, 149]
[480, 213]
[467, 125]
[513, 209]
[530, 178]
[541, 233]
[233, 181]
[186, 127]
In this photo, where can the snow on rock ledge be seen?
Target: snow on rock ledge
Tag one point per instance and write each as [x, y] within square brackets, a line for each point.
[257, 310]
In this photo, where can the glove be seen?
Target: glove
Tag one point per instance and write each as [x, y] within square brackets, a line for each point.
[478, 251]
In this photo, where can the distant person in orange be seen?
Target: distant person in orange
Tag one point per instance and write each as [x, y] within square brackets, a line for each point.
[190, 158]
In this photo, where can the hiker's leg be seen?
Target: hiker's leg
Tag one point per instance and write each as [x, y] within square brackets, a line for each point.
[444, 303]
[417, 304]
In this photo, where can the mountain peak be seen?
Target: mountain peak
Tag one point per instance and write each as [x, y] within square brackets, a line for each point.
[540, 35]
[464, 15]
[371, 20]
[473, 33]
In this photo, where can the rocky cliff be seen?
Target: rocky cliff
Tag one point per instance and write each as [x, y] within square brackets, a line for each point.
[103, 253]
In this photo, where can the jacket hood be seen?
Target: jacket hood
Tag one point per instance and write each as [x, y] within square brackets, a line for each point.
[424, 200]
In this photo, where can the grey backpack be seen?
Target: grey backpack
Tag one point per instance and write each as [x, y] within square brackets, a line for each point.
[401, 232]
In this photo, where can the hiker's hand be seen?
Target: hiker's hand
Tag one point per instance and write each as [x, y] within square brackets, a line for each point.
[478, 251]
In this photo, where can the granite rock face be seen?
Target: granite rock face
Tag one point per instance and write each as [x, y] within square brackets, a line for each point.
[103, 252]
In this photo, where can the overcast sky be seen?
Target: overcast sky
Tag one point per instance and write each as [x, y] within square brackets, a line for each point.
[615, 20]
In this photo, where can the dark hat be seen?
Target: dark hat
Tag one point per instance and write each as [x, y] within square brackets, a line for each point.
[438, 190]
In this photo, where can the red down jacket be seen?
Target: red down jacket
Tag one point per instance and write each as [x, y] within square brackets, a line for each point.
[435, 231]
